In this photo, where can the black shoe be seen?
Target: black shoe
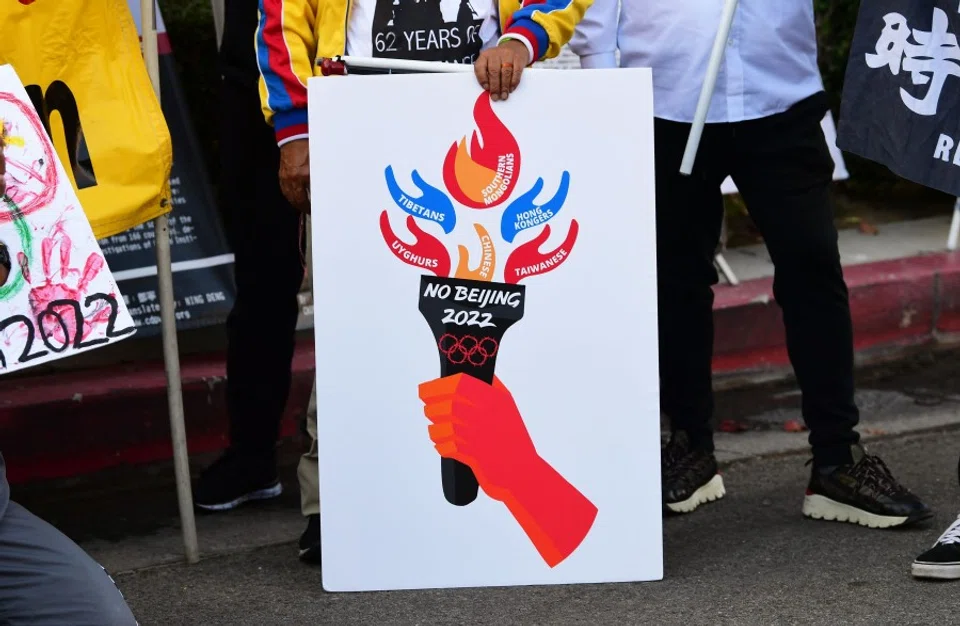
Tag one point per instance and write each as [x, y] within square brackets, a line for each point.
[943, 559]
[310, 541]
[864, 493]
[690, 477]
[234, 479]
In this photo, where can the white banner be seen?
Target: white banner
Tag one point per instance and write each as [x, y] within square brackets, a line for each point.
[59, 297]
[488, 378]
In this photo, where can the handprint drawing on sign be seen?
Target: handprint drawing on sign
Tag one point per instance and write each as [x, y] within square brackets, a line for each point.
[55, 298]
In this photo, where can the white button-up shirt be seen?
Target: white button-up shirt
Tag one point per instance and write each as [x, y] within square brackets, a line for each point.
[770, 62]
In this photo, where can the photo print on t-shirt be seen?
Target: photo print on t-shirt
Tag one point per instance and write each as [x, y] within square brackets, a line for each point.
[427, 30]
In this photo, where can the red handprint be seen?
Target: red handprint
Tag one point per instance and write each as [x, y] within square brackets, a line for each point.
[479, 425]
[62, 327]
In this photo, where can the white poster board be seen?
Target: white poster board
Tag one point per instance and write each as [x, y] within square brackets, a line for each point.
[59, 297]
[419, 185]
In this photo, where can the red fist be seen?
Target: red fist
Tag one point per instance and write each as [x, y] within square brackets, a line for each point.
[480, 426]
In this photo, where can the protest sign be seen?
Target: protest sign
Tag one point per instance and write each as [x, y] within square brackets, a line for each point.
[58, 298]
[487, 267]
[902, 90]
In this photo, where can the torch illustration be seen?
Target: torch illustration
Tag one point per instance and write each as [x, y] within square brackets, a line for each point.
[468, 319]
[468, 312]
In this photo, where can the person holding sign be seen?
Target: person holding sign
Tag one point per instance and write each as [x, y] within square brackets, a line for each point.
[763, 130]
[295, 37]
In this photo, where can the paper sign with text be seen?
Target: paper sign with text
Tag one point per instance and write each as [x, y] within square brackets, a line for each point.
[489, 373]
[59, 297]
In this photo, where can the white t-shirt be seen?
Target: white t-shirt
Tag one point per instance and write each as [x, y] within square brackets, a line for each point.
[454, 31]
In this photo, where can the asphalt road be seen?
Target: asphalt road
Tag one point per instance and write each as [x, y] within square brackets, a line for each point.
[748, 559]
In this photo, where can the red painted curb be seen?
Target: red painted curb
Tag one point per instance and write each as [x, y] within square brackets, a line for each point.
[896, 303]
[78, 422]
[83, 421]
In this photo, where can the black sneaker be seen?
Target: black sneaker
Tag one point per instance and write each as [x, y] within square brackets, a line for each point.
[864, 493]
[234, 479]
[310, 541]
[943, 559]
[690, 477]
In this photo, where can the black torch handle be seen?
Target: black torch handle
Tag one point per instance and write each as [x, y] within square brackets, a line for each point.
[460, 486]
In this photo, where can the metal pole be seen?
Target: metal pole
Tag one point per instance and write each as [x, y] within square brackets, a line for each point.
[171, 353]
[725, 269]
[404, 65]
[217, 6]
[709, 84]
[954, 227]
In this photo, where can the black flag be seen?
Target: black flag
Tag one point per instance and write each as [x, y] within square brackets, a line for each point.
[901, 96]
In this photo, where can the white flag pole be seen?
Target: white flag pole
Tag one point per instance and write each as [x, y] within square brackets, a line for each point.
[404, 65]
[168, 320]
[218, 15]
[954, 227]
[709, 83]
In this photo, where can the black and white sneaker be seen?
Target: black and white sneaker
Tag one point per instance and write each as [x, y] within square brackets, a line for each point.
[942, 561]
[864, 492]
[310, 541]
[234, 479]
[689, 476]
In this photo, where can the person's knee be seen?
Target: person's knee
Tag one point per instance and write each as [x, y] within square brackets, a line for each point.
[56, 581]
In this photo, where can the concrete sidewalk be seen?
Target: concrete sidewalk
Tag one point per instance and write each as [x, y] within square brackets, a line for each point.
[904, 291]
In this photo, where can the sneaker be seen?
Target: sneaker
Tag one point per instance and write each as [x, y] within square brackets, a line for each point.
[943, 559]
[690, 477]
[234, 479]
[864, 492]
[310, 541]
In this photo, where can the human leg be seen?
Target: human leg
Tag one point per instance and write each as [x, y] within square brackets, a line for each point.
[689, 218]
[48, 580]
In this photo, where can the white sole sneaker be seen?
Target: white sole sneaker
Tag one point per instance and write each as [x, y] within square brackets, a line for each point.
[816, 506]
[260, 494]
[939, 571]
[711, 491]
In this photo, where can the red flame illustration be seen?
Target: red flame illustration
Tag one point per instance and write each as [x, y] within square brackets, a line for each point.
[527, 260]
[486, 175]
[427, 252]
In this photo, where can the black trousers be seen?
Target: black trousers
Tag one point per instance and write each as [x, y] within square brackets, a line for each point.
[782, 167]
[266, 236]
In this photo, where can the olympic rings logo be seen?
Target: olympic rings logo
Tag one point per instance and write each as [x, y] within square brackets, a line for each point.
[468, 349]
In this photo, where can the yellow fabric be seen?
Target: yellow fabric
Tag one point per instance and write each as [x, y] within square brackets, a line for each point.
[92, 46]
[316, 29]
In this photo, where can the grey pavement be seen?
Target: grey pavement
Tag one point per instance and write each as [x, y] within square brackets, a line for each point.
[748, 559]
